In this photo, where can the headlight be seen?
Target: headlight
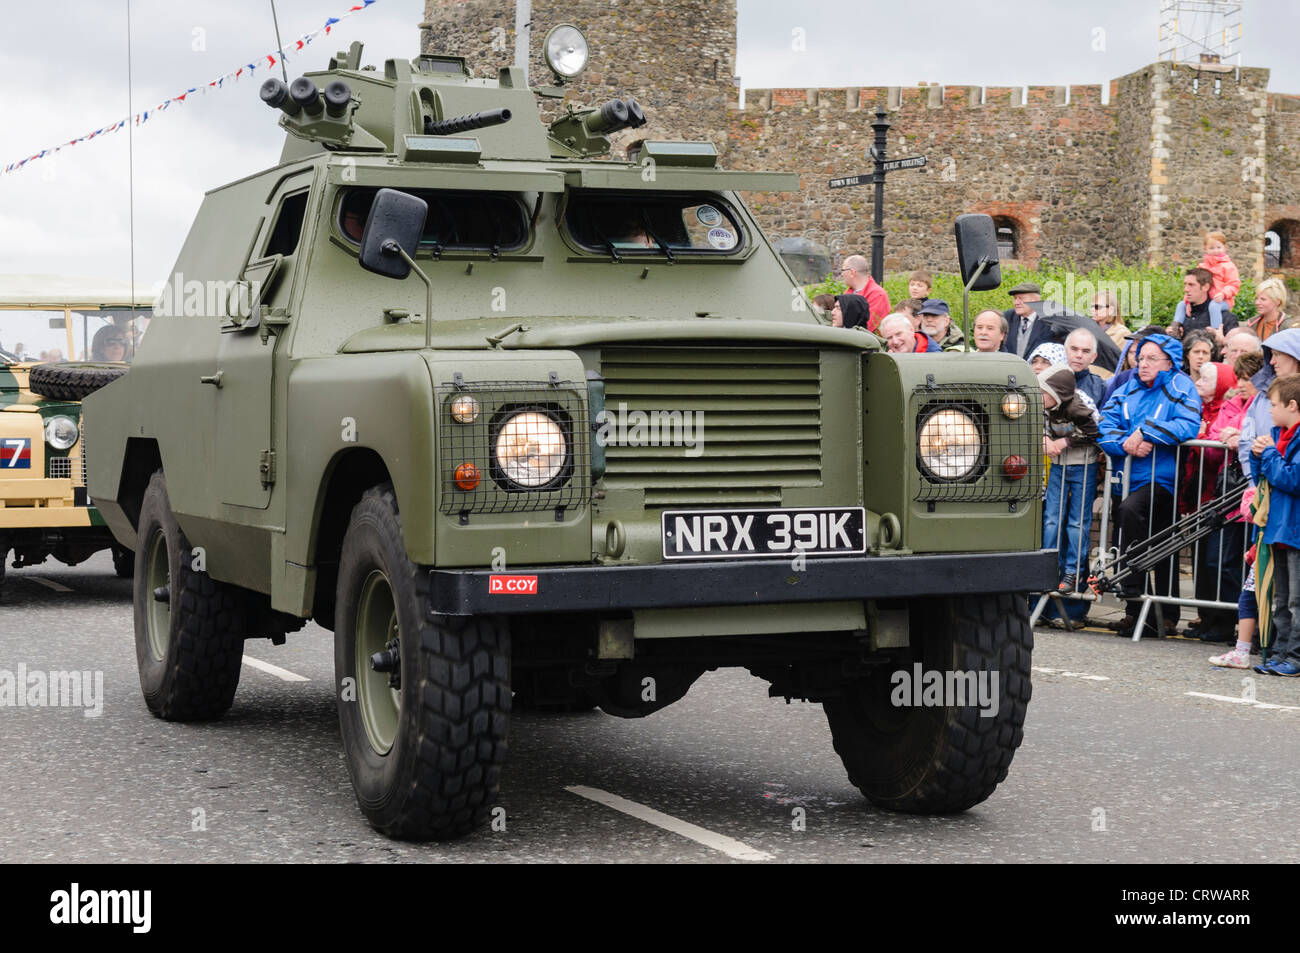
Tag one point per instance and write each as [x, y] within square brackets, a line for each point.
[950, 445]
[531, 449]
[61, 432]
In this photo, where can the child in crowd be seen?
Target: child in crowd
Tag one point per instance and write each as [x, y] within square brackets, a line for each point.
[824, 303]
[1247, 608]
[1227, 282]
[912, 308]
[919, 284]
[1218, 556]
[1275, 461]
[1227, 426]
[1047, 356]
[1070, 440]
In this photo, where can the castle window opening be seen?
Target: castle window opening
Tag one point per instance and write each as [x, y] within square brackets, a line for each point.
[1282, 244]
[1008, 230]
[1272, 249]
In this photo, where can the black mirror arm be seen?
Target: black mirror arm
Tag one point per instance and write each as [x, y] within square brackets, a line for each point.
[391, 247]
[965, 300]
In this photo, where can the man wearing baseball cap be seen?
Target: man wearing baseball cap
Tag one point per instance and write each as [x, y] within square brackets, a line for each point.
[937, 323]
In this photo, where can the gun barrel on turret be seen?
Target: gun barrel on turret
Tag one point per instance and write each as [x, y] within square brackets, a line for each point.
[478, 120]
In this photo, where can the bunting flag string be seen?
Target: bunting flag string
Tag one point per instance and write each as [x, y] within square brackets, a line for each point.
[142, 117]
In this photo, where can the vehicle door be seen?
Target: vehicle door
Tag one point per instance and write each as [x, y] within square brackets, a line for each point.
[260, 305]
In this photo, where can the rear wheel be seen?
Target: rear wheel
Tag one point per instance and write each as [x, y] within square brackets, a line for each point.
[424, 726]
[189, 628]
[940, 758]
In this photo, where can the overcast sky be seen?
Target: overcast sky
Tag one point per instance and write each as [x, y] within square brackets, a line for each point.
[65, 66]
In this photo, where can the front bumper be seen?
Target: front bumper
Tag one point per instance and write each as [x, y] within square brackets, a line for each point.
[466, 592]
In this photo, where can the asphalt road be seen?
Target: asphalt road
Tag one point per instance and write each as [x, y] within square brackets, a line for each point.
[1122, 762]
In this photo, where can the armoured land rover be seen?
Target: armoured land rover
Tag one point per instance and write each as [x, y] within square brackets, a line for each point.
[600, 446]
[44, 509]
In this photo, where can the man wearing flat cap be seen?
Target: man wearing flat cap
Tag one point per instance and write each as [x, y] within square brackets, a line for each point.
[937, 323]
[1025, 327]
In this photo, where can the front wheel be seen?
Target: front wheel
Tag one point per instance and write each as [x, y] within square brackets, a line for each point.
[424, 725]
[906, 742]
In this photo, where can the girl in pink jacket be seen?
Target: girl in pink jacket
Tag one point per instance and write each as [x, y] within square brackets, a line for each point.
[1227, 282]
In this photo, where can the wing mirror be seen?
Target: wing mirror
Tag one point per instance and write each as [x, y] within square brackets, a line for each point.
[392, 233]
[977, 242]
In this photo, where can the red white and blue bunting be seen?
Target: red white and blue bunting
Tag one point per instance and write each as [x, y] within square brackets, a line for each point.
[268, 61]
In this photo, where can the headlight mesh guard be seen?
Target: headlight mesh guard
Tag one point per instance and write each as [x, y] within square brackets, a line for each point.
[562, 401]
[1000, 437]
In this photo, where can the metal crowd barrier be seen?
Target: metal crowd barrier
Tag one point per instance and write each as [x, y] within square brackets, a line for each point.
[1205, 536]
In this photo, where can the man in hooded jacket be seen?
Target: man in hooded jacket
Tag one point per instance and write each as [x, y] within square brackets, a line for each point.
[1142, 424]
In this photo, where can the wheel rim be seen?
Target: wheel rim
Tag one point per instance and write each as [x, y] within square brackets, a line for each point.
[158, 574]
[376, 626]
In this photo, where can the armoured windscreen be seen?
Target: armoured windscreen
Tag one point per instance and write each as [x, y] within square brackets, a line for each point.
[650, 222]
[483, 221]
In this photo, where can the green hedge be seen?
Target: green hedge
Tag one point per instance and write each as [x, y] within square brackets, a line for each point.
[1149, 291]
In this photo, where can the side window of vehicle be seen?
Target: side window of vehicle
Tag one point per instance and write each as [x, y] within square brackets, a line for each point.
[288, 226]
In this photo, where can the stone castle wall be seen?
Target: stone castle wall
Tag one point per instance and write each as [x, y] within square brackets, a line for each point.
[1174, 152]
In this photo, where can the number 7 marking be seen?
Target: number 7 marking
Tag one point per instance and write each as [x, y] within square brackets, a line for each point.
[18, 449]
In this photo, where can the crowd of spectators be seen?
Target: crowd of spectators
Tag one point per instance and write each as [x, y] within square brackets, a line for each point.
[1207, 377]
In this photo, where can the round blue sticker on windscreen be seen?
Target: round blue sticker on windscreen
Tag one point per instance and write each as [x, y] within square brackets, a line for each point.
[722, 238]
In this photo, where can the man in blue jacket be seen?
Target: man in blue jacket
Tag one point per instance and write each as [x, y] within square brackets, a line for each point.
[1142, 424]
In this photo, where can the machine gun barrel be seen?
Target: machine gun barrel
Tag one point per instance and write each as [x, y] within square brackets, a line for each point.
[478, 120]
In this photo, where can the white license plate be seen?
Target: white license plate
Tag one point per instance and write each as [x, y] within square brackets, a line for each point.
[758, 533]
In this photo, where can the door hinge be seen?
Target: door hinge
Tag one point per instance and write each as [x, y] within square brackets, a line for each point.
[266, 467]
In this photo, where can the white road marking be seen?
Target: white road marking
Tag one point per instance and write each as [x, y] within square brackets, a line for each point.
[1243, 701]
[275, 670]
[1062, 672]
[48, 583]
[720, 842]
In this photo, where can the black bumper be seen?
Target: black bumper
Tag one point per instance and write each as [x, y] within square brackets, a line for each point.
[463, 592]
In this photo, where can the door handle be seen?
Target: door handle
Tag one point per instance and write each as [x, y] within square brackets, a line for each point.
[214, 379]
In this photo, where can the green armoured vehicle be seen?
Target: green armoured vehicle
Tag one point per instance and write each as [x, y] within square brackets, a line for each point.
[599, 447]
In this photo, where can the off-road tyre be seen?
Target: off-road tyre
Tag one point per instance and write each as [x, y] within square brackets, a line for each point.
[123, 562]
[939, 760]
[72, 380]
[425, 759]
[189, 654]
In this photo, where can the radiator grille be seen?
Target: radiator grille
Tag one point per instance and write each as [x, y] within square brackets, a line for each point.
[62, 468]
[755, 424]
